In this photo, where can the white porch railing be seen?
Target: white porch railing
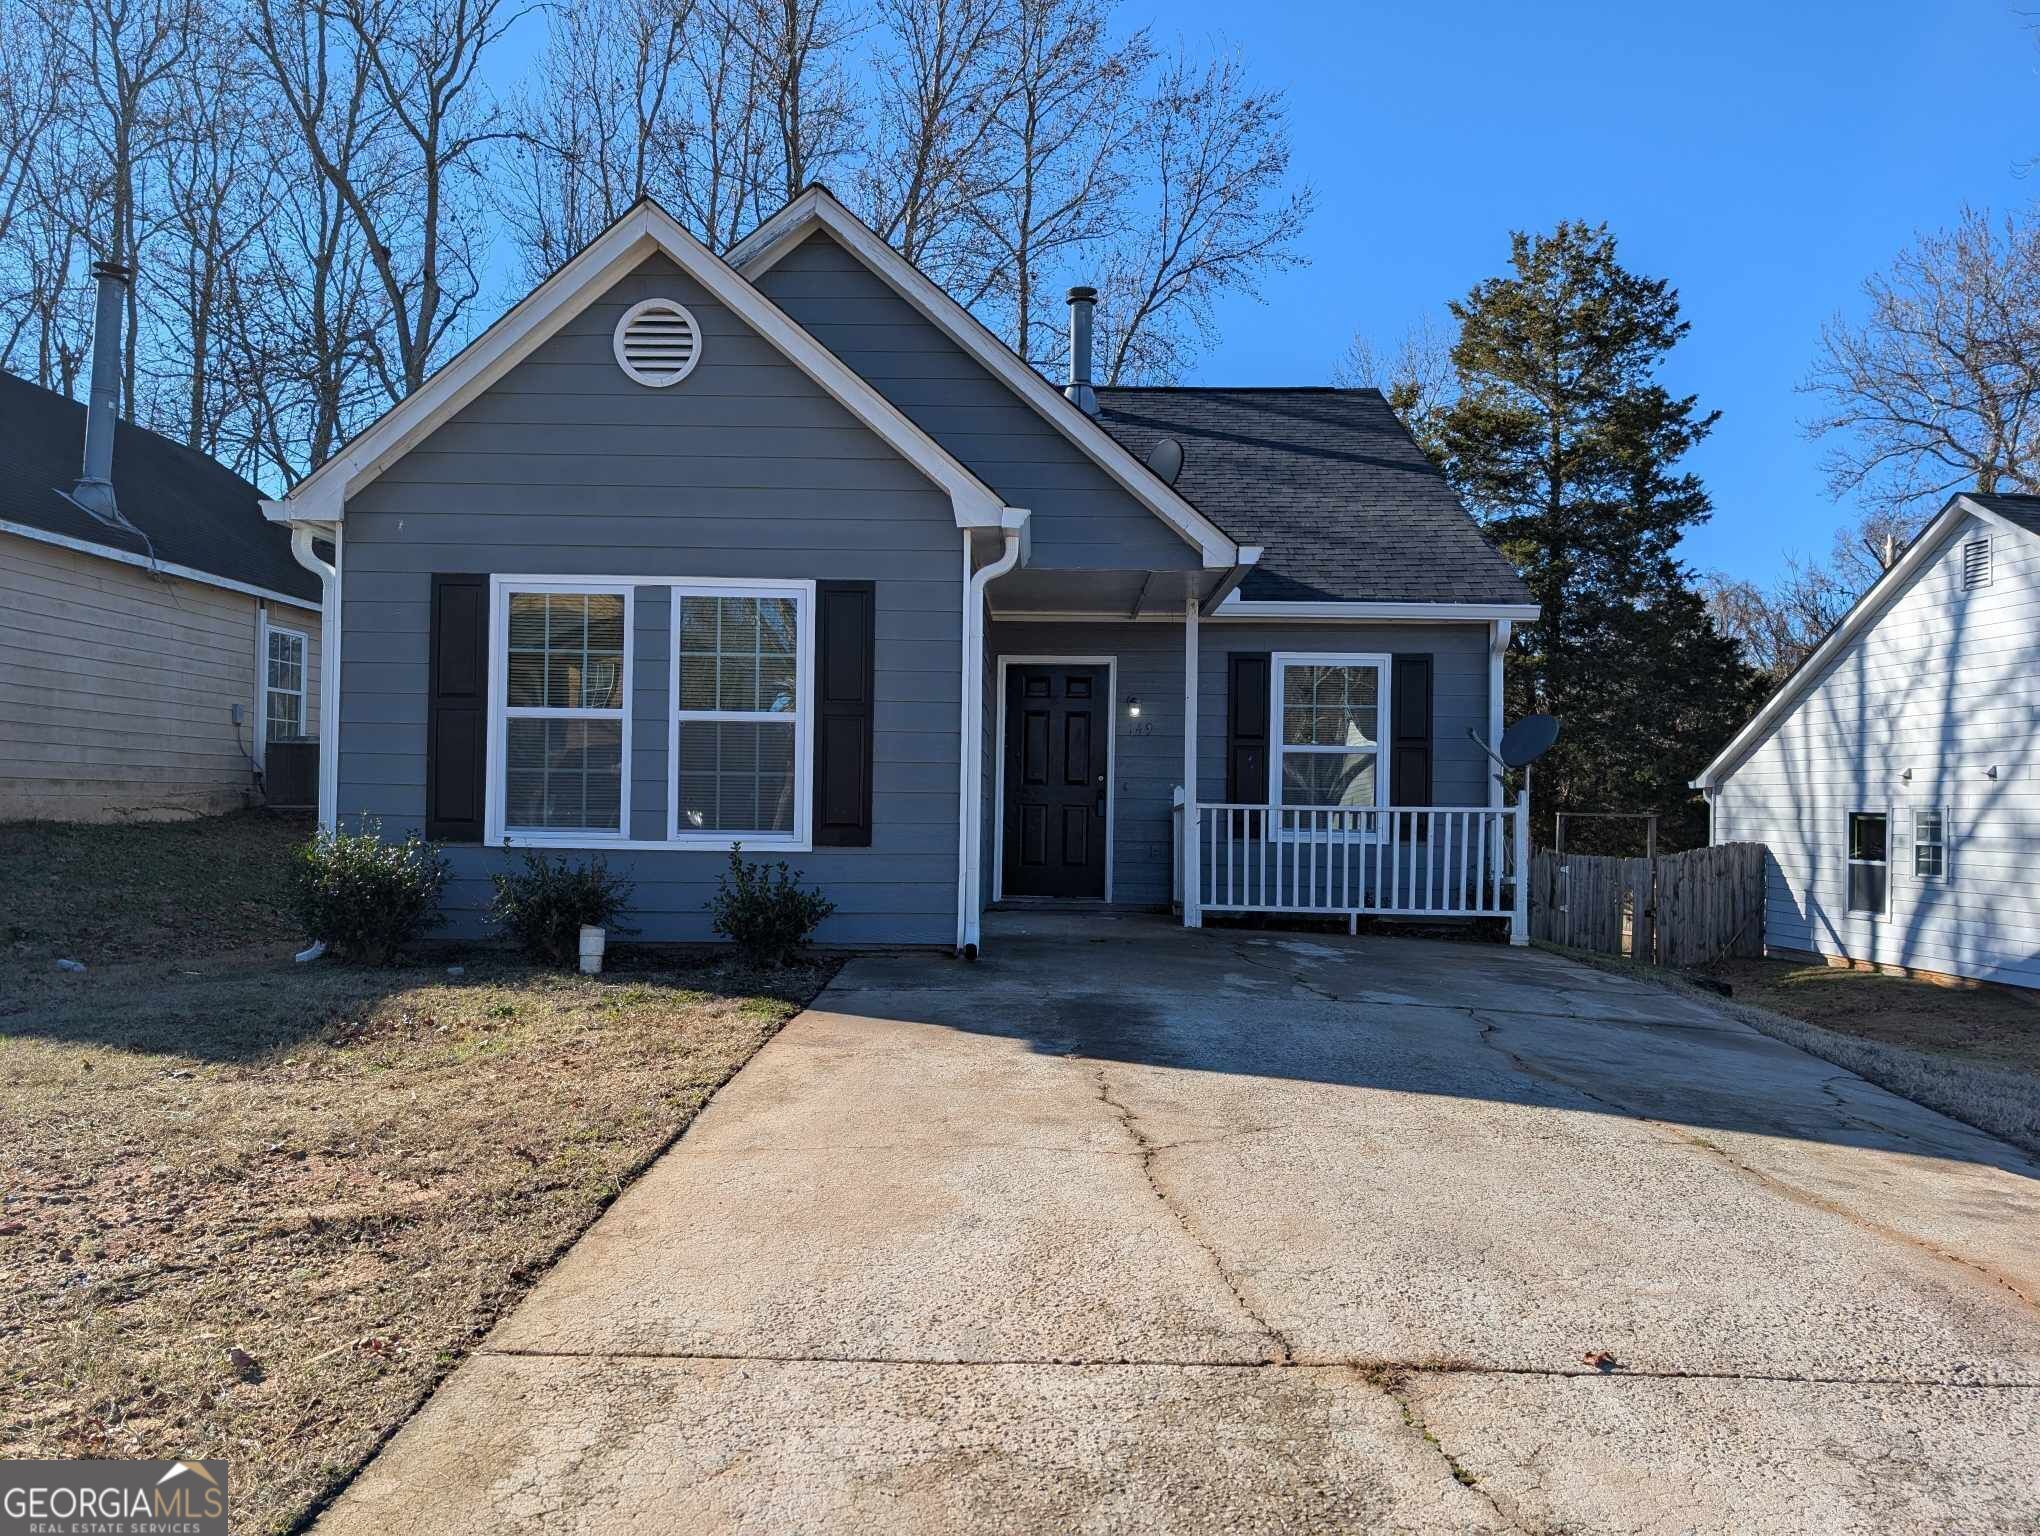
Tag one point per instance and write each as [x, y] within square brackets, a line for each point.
[1416, 861]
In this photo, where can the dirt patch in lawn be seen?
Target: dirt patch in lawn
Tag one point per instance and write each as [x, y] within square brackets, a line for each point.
[102, 894]
[259, 1213]
[1985, 1026]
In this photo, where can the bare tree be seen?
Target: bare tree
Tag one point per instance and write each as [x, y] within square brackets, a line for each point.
[218, 187]
[1780, 625]
[1415, 373]
[121, 59]
[1060, 141]
[727, 150]
[797, 50]
[603, 127]
[1938, 389]
[31, 84]
[1215, 216]
[942, 80]
[417, 191]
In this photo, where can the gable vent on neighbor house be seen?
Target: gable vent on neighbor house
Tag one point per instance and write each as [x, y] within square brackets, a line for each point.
[657, 343]
[1976, 563]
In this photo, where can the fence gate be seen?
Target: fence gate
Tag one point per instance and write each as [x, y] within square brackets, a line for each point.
[1682, 909]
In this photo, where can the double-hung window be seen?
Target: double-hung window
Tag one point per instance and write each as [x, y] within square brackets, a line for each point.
[1330, 719]
[1930, 845]
[563, 653]
[1869, 862]
[283, 708]
[742, 714]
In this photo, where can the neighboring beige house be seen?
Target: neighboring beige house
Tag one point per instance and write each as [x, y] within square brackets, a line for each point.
[148, 660]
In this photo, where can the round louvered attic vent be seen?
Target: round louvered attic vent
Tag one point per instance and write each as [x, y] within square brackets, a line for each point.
[657, 343]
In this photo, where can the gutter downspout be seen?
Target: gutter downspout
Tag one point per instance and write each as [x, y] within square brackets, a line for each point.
[970, 810]
[301, 535]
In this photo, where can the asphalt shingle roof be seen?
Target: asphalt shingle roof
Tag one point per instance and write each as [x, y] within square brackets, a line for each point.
[2023, 510]
[195, 510]
[1345, 502]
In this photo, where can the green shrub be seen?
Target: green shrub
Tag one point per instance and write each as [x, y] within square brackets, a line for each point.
[365, 897]
[764, 910]
[544, 908]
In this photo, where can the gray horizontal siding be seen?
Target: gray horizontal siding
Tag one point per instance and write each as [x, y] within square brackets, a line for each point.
[1148, 753]
[1082, 518]
[745, 469]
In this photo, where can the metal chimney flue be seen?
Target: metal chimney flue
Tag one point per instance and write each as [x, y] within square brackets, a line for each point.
[1083, 302]
[94, 490]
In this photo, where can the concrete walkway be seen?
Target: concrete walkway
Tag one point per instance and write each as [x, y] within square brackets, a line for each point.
[1127, 1229]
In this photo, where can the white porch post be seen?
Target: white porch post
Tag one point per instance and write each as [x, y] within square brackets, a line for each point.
[1193, 916]
[1519, 917]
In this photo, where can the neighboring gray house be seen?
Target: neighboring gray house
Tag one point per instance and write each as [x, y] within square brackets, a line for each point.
[790, 551]
[1894, 778]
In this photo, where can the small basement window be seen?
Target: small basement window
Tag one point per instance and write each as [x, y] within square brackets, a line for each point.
[1976, 563]
[1869, 861]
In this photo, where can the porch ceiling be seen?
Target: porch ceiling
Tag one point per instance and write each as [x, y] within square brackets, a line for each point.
[1099, 594]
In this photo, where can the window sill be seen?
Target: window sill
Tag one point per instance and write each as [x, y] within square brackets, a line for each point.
[597, 842]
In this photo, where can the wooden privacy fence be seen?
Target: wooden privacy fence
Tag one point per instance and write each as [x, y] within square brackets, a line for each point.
[1682, 909]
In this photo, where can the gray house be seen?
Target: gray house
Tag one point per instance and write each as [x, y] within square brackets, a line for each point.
[789, 551]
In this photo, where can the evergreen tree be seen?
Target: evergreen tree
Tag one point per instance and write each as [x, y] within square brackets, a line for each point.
[1568, 448]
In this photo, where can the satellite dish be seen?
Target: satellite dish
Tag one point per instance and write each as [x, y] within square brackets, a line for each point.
[1166, 460]
[1527, 740]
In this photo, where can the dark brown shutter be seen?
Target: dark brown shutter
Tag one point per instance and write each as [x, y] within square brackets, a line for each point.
[846, 644]
[457, 712]
[1409, 701]
[1246, 728]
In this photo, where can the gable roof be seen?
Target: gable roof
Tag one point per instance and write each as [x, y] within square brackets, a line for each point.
[1330, 483]
[321, 497]
[200, 517]
[2019, 511]
[818, 208]
[2018, 515]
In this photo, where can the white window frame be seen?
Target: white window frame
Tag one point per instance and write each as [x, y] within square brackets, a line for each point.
[1939, 843]
[1849, 862]
[801, 839]
[303, 690]
[1372, 827]
[496, 834]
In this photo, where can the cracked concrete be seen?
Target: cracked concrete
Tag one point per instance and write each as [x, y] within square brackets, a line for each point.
[1202, 1232]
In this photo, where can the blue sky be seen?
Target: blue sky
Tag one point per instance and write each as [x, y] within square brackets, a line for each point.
[1765, 158]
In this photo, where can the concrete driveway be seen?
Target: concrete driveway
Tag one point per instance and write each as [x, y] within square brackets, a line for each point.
[1125, 1228]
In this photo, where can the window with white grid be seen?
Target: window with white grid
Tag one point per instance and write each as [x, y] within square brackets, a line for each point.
[741, 714]
[1330, 718]
[564, 658]
[284, 685]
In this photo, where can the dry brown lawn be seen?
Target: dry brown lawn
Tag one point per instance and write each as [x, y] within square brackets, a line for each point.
[257, 1211]
[1984, 1026]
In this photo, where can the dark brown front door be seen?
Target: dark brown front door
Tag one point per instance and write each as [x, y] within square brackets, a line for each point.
[1057, 718]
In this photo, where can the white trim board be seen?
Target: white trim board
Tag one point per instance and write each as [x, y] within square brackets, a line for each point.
[646, 229]
[1291, 613]
[163, 567]
[817, 208]
[1868, 609]
[1111, 666]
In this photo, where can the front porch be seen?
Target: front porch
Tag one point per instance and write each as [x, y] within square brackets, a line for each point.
[1098, 733]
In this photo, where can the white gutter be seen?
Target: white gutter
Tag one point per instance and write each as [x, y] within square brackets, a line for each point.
[143, 562]
[970, 809]
[301, 535]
